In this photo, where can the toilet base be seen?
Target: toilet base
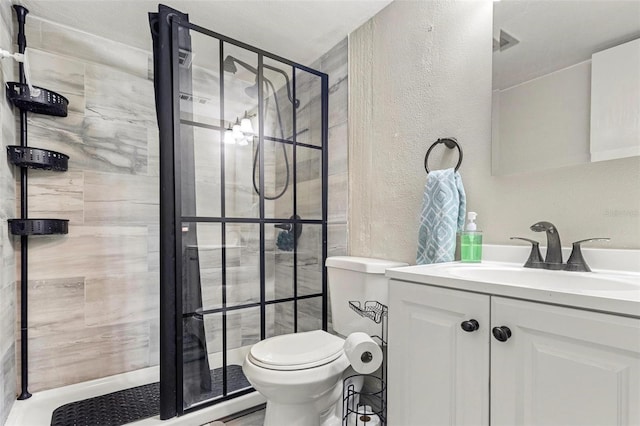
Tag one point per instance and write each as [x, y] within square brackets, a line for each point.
[290, 414]
[322, 412]
[297, 415]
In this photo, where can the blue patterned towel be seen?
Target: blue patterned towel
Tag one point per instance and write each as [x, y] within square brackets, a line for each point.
[442, 215]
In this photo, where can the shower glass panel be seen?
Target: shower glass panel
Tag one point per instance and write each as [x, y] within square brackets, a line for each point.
[205, 268]
[309, 182]
[309, 314]
[280, 317]
[202, 180]
[242, 264]
[240, 72]
[279, 100]
[309, 262]
[309, 115]
[250, 168]
[279, 122]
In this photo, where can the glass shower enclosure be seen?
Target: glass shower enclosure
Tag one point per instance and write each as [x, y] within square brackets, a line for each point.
[243, 176]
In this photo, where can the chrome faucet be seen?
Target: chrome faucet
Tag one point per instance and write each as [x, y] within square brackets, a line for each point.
[553, 258]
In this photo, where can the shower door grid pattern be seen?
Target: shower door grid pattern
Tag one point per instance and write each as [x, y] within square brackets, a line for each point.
[183, 222]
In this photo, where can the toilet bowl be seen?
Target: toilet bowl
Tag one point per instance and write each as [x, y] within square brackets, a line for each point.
[301, 375]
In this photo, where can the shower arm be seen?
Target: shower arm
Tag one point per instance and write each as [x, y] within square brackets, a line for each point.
[254, 70]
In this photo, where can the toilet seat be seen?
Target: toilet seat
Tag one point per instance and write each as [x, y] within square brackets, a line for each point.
[297, 351]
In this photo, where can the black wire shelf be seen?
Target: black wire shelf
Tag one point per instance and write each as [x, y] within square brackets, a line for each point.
[373, 310]
[37, 158]
[38, 226]
[361, 407]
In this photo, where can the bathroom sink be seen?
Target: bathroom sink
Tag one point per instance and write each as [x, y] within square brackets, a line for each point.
[558, 280]
[616, 291]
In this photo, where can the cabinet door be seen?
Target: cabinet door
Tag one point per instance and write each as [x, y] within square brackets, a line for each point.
[564, 366]
[615, 102]
[438, 373]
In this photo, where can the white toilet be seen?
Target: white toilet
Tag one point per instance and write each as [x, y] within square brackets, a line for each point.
[301, 374]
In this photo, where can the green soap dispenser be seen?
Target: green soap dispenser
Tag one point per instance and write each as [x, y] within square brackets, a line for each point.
[471, 241]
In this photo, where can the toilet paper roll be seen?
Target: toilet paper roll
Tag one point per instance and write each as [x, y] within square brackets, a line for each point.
[364, 417]
[363, 353]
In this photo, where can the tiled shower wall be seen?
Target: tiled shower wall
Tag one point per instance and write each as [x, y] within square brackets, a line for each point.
[93, 301]
[7, 210]
[93, 294]
[335, 64]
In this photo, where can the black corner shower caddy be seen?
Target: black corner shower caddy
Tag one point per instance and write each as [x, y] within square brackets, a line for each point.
[36, 158]
[24, 227]
[39, 101]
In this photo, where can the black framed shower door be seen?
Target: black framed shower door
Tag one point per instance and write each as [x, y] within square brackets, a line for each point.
[243, 212]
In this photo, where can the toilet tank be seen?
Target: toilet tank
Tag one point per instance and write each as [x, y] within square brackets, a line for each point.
[356, 279]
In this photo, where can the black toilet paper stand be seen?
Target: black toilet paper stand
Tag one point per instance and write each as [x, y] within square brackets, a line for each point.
[374, 390]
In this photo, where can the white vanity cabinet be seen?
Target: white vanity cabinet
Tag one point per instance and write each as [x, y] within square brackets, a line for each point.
[557, 366]
[438, 373]
[564, 366]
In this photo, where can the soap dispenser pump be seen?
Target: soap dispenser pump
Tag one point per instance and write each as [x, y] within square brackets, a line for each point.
[471, 241]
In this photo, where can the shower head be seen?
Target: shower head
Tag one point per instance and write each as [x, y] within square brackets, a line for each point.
[252, 91]
[228, 65]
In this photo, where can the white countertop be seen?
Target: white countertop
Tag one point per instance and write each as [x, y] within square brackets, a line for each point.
[608, 291]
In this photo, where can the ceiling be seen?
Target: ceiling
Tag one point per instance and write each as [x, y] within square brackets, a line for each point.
[299, 30]
[554, 34]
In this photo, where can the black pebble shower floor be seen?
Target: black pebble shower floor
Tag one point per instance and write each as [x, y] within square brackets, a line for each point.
[133, 404]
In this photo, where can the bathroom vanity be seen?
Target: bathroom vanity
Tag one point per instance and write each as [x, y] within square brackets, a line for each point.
[495, 343]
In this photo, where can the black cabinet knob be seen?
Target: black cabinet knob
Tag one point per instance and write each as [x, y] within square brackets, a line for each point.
[502, 333]
[470, 325]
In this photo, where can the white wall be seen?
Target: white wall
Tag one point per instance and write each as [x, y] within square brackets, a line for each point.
[546, 119]
[421, 70]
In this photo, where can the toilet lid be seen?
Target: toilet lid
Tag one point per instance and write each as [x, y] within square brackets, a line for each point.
[297, 351]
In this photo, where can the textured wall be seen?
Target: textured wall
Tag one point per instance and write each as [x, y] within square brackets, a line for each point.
[7, 210]
[422, 70]
[418, 73]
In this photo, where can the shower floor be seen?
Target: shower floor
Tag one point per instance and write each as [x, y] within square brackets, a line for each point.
[39, 409]
[133, 404]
